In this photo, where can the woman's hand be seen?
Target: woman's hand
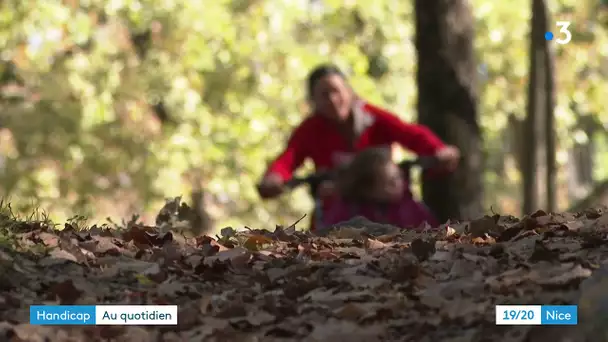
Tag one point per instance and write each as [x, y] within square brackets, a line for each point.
[449, 157]
[270, 186]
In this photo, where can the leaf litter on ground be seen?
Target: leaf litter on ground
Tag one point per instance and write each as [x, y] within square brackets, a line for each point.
[360, 281]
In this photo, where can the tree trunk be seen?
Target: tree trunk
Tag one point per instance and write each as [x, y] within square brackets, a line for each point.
[447, 103]
[549, 59]
[516, 140]
[580, 172]
[539, 161]
[581, 157]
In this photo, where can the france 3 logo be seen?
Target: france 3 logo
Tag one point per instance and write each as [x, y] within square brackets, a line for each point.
[565, 36]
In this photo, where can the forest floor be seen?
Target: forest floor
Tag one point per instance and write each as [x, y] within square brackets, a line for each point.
[288, 285]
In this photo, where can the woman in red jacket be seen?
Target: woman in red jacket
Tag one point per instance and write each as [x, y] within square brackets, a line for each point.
[342, 124]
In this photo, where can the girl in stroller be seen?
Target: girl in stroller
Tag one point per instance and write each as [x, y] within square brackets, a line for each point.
[374, 187]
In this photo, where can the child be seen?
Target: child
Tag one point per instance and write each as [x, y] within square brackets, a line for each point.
[373, 186]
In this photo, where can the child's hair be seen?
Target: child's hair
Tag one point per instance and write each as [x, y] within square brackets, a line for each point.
[358, 178]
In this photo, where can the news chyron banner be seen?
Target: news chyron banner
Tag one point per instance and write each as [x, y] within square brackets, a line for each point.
[103, 314]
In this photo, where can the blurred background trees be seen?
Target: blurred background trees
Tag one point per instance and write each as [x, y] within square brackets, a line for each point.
[108, 107]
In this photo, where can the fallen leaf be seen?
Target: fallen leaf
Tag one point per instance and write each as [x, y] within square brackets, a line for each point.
[374, 244]
[48, 239]
[545, 220]
[423, 248]
[235, 255]
[350, 312]
[255, 242]
[361, 281]
[442, 256]
[61, 254]
[573, 225]
[260, 318]
[542, 253]
[65, 291]
[483, 226]
[483, 240]
[561, 276]
[600, 223]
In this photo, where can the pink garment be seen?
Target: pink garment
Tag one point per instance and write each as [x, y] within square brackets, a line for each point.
[407, 213]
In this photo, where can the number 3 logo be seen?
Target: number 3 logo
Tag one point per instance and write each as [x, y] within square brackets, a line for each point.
[563, 28]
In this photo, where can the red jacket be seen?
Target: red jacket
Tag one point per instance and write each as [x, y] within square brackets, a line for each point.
[317, 138]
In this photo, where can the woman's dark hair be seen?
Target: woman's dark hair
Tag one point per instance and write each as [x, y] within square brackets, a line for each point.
[318, 73]
[358, 178]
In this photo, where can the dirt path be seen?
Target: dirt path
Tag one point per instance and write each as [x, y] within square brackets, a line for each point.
[290, 286]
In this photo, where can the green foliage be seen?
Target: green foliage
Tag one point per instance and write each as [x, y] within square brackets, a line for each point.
[502, 39]
[79, 131]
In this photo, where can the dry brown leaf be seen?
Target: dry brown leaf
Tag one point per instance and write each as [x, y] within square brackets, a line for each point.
[65, 291]
[483, 226]
[101, 245]
[479, 240]
[260, 318]
[545, 220]
[324, 255]
[361, 281]
[542, 253]
[255, 242]
[227, 255]
[423, 248]
[601, 223]
[350, 312]
[463, 268]
[573, 225]
[48, 239]
[374, 244]
[61, 254]
[558, 276]
[387, 237]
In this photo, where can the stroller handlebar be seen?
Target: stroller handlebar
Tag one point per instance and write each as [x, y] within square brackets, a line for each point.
[315, 179]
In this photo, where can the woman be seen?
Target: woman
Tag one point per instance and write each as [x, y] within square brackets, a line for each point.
[342, 124]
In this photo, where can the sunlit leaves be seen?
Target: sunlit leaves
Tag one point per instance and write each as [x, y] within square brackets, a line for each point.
[232, 75]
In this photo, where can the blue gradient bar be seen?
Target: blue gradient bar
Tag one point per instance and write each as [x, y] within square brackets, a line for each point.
[62, 314]
[559, 315]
